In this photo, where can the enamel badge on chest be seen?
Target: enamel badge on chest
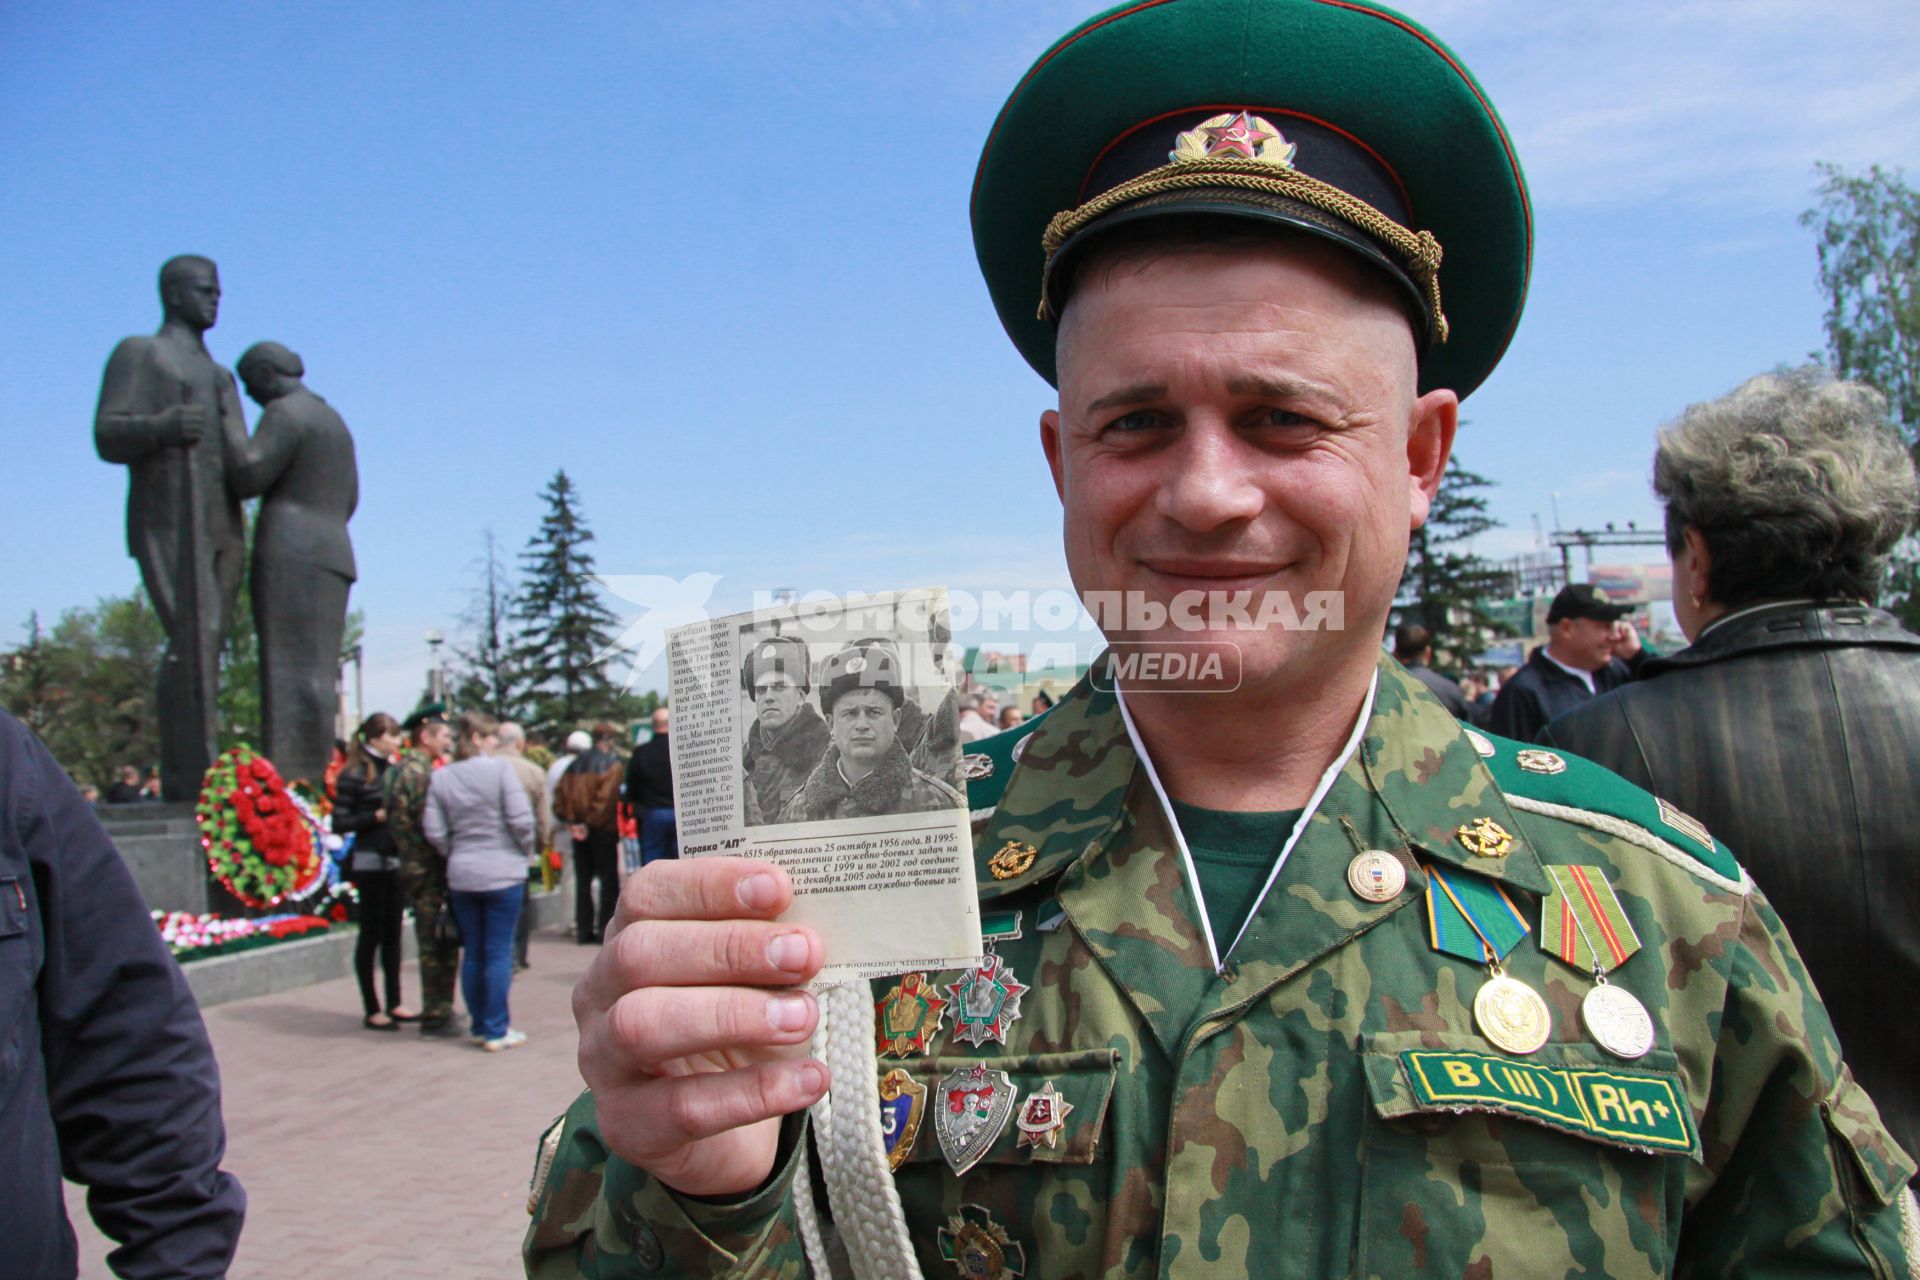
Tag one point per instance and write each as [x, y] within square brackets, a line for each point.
[986, 1002]
[903, 1104]
[975, 1104]
[909, 1016]
[980, 1248]
[1042, 1118]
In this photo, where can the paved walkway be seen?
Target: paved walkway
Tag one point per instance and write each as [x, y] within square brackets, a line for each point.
[370, 1155]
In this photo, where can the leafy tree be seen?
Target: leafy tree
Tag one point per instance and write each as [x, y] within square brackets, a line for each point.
[484, 675]
[561, 625]
[87, 686]
[1868, 236]
[1450, 585]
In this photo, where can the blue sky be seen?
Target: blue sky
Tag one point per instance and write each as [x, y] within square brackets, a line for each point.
[714, 260]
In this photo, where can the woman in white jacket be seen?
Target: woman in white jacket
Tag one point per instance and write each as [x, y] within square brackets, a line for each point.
[478, 816]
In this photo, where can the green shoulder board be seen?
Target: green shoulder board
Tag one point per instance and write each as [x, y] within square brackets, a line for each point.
[1555, 781]
[988, 763]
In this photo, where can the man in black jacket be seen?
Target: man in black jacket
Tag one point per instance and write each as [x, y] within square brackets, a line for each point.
[107, 1076]
[649, 792]
[1791, 725]
[1582, 657]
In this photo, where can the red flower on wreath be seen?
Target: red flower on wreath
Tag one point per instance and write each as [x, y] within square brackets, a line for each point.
[259, 845]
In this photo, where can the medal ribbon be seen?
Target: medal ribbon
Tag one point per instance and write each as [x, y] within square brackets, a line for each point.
[1582, 922]
[1471, 917]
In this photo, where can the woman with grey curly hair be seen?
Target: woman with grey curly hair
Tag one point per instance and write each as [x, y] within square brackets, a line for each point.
[1795, 485]
[1790, 726]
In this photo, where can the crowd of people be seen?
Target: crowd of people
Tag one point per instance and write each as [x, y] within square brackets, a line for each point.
[451, 819]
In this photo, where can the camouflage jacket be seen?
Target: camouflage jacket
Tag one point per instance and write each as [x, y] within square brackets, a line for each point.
[1326, 1107]
[894, 786]
[405, 786]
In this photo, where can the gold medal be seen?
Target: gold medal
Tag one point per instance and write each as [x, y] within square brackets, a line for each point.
[1511, 1014]
[1617, 1021]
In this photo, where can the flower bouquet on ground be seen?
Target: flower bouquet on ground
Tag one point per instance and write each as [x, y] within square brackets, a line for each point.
[263, 845]
[196, 937]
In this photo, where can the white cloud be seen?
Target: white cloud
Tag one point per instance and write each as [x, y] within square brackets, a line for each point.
[1717, 103]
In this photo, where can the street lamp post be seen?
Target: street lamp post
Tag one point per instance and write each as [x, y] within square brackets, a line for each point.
[436, 674]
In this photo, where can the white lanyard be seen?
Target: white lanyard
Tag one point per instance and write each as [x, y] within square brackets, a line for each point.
[1286, 850]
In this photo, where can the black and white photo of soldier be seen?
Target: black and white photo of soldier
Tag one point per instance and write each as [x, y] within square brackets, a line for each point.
[787, 738]
[866, 770]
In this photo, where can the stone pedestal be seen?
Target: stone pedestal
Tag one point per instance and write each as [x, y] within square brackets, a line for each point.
[161, 846]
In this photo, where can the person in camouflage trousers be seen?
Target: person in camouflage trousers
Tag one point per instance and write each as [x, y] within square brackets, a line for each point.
[1290, 973]
[423, 871]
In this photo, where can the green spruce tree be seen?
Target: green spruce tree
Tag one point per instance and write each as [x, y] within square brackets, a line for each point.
[561, 627]
[1450, 584]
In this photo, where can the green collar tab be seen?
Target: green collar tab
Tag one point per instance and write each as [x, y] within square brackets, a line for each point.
[1576, 783]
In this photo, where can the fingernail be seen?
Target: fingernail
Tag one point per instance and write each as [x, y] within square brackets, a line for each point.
[809, 1078]
[758, 892]
[788, 1013]
[788, 952]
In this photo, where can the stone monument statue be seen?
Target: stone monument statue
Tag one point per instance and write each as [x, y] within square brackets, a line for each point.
[164, 405]
[300, 462]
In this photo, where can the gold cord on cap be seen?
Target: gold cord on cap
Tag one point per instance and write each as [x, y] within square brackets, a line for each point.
[1419, 251]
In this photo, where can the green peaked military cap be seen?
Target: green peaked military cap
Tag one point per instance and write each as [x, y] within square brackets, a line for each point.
[1336, 118]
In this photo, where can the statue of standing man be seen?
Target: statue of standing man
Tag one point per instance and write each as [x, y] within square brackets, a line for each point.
[300, 463]
[165, 406]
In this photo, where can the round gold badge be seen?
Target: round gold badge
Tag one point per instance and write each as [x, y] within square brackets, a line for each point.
[1377, 876]
[1617, 1021]
[1512, 1015]
[1013, 859]
[1534, 760]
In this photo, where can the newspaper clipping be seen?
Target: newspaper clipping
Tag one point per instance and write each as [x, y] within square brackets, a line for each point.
[822, 735]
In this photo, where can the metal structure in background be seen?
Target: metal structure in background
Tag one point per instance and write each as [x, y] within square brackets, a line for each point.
[1588, 539]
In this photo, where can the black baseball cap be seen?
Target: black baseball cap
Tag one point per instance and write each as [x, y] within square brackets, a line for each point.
[1584, 600]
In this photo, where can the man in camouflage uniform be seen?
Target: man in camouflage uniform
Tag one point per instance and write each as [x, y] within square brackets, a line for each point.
[423, 870]
[866, 771]
[1296, 975]
[787, 737]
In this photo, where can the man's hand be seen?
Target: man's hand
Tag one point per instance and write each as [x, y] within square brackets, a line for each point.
[183, 424]
[578, 830]
[691, 1035]
[1626, 641]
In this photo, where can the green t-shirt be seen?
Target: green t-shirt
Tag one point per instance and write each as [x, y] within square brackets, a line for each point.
[1233, 854]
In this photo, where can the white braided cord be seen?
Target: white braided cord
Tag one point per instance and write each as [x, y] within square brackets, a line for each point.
[1632, 833]
[853, 1153]
[1910, 1231]
[811, 1237]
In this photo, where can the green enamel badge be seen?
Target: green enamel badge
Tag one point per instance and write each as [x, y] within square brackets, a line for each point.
[1629, 1109]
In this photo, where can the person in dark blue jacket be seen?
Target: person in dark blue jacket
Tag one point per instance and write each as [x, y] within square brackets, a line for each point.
[106, 1073]
[1591, 650]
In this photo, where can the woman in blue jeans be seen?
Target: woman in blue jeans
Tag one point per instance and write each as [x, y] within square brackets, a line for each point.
[478, 816]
